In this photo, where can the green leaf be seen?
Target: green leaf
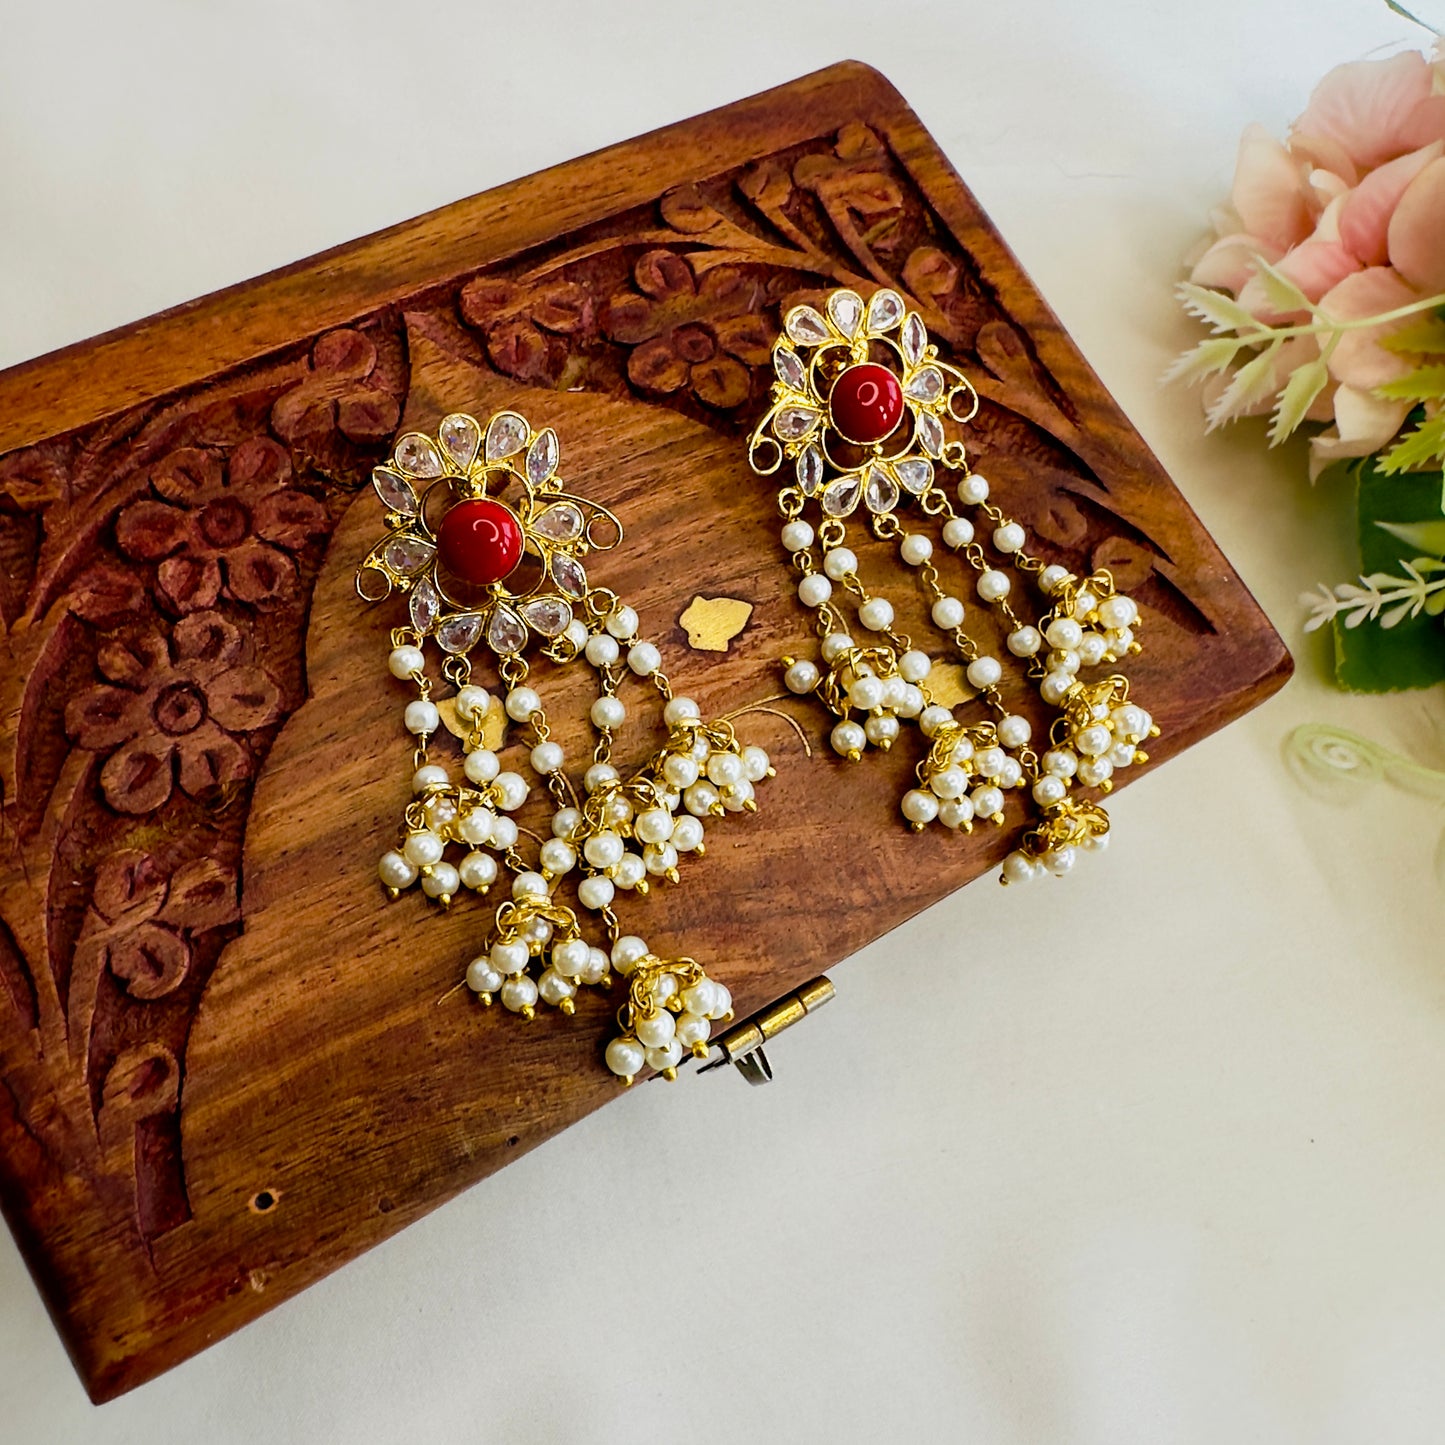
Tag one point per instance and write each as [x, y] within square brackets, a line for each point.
[1251, 383]
[1425, 383]
[1222, 312]
[1423, 536]
[1417, 449]
[1281, 293]
[1411, 654]
[1296, 399]
[1424, 336]
[1210, 356]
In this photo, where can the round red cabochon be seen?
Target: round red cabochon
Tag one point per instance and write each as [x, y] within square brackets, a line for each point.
[480, 541]
[866, 403]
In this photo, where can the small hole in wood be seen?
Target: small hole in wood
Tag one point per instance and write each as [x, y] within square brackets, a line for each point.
[264, 1201]
[384, 1205]
[514, 1141]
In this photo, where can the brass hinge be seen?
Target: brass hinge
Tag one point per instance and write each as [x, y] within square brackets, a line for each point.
[742, 1044]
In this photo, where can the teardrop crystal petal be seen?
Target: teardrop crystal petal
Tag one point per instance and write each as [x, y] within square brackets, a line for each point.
[810, 470]
[548, 616]
[542, 457]
[425, 605]
[568, 574]
[505, 632]
[915, 474]
[417, 456]
[926, 384]
[506, 434]
[930, 433]
[789, 367]
[840, 497]
[792, 423]
[880, 492]
[459, 632]
[805, 326]
[407, 555]
[460, 437]
[846, 310]
[914, 337]
[562, 522]
[885, 310]
[396, 493]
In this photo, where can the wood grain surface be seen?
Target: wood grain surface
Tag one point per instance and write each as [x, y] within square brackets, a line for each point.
[228, 1065]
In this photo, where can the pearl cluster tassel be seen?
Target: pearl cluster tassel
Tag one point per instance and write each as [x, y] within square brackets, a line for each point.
[528, 927]
[671, 1007]
[964, 776]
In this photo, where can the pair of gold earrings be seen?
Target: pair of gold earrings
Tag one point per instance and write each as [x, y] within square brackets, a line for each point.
[492, 554]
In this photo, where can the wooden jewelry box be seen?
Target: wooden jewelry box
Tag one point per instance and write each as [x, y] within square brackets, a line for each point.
[228, 1065]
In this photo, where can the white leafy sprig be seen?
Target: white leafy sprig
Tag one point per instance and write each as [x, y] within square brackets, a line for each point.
[1380, 597]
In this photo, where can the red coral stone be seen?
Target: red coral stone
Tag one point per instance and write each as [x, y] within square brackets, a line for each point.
[480, 541]
[866, 403]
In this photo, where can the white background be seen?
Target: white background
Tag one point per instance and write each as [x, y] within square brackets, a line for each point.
[1151, 1155]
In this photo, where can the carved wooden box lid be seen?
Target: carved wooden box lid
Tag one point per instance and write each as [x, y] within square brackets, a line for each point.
[228, 1065]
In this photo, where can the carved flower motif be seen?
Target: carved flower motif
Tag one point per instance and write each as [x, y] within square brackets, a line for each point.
[522, 321]
[690, 331]
[339, 393]
[169, 712]
[140, 920]
[222, 528]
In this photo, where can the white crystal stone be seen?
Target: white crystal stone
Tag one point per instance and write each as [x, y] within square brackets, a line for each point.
[417, 456]
[407, 554]
[506, 434]
[793, 423]
[425, 606]
[461, 438]
[915, 474]
[846, 310]
[505, 632]
[561, 522]
[930, 433]
[396, 493]
[841, 497]
[789, 367]
[548, 616]
[805, 326]
[459, 632]
[884, 310]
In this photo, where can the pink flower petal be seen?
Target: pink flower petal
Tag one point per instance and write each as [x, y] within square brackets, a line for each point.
[1365, 218]
[1417, 230]
[1316, 153]
[1363, 425]
[1368, 108]
[1269, 191]
[1318, 266]
[1229, 262]
[1358, 359]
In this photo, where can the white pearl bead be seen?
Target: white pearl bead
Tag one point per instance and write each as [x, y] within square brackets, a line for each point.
[654, 825]
[421, 717]
[835, 644]
[601, 650]
[667, 1057]
[530, 885]
[1095, 771]
[643, 658]
[422, 848]
[1094, 740]
[948, 613]
[990, 761]
[1049, 790]
[482, 977]
[919, 807]
[1052, 576]
[915, 549]
[1010, 775]
[622, 622]
[536, 932]
[724, 1001]
[598, 776]
[656, 1029]
[473, 702]
[838, 562]
[628, 952]
[679, 709]
[1055, 686]
[625, 1057]
[866, 692]
[687, 833]
[814, 590]
[522, 703]
[510, 957]
[1009, 537]
[1064, 633]
[963, 750]
[724, 769]
[518, 993]
[1121, 640]
[598, 966]
[1095, 842]
[895, 690]
[932, 718]
[911, 703]
[1014, 731]
[1018, 868]
[1121, 755]
[881, 729]
[984, 672]
[1025, 641]
[481, 766]
[1084, 604]
[993, 585]
[848, 739]
[431, 775]
[478, 870]
[1063, 660]
[876, 614]
[556, 856]
[973, 490]
[547, 757]
[1117, 612]
[914, 666]
[987, 801]
[596, 892]
[1060, 860]
[553, 987]
[510, 790]
[801, 677]
[602, 850]
[1061, 762]
[576, 633]
[1129, 721]
[755, 764]
[660, 858]
[396, 871]
[405, 660]
[679, 770]
[797, 535]
[700, 998]
[630, 871]
[504, 834]
[441, 880]
[570, 956]
[957, 532]
[955, 812]
[950, 783]
[608, 712]
[700, 799]
[1091, 649]
[692, 1030]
